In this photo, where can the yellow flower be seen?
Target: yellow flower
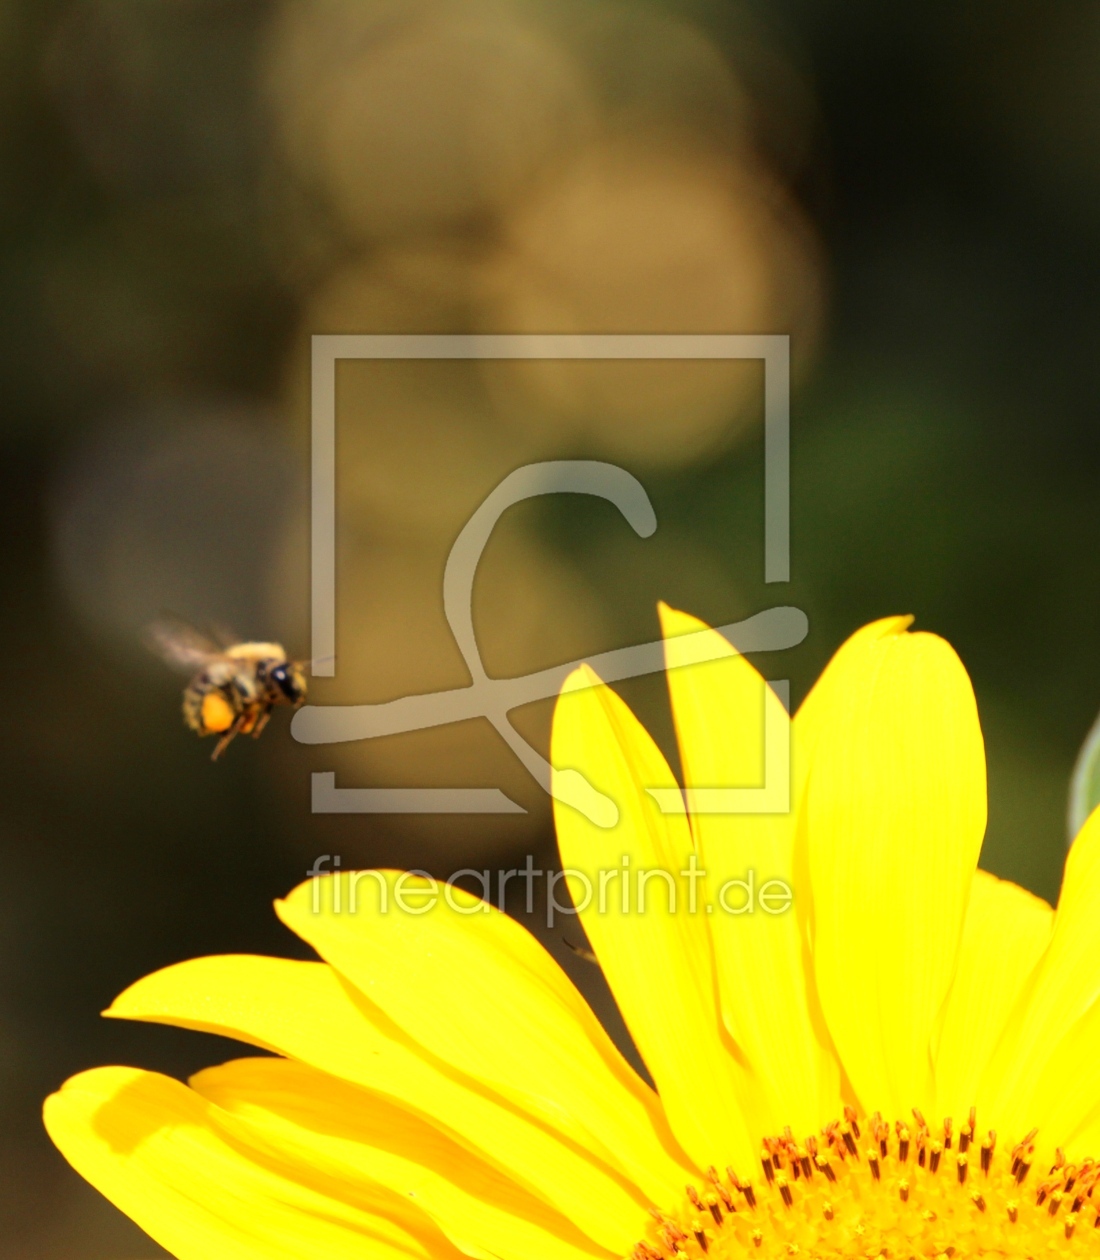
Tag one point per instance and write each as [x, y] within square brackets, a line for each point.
[441, 1088]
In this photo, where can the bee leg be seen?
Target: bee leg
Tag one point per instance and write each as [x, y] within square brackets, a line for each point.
[261, 722]
[225, 740]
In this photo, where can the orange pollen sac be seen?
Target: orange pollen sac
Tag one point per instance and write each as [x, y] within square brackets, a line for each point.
[865, 1188]
[217, 715]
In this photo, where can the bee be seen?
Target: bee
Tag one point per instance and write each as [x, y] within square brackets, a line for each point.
[234, 686]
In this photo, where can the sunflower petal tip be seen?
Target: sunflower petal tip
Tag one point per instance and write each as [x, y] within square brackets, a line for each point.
[674, 621]
[581, 679]
[122, 1006]
[572, 788]
[284, 906]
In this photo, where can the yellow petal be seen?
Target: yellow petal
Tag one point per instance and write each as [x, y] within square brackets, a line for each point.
[304, 1010]
[1024, 1083]
[895, 812]
[719, 712]
[1066, 1091]
[1005, 931]
[658, 963]
[345, 1135]
[817, 712]
[815, 715]
[478, 991]
[150, 1145]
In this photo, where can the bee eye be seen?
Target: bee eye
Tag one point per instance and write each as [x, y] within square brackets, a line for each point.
[281, 677]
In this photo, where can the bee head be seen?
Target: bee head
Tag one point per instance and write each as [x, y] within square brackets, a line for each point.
[290, 681]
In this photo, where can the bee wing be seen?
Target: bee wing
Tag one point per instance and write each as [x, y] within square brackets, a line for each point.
[222, 636]
[180, 644]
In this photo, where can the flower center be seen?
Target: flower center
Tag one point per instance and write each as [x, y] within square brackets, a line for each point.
[866, 1189]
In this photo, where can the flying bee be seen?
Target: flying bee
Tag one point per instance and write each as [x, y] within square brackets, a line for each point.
[234, 686]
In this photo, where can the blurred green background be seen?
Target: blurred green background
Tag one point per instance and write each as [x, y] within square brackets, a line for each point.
[191, 188]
